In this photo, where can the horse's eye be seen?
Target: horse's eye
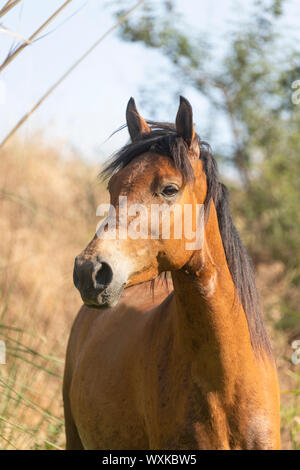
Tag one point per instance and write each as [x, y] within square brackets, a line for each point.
[169, 191]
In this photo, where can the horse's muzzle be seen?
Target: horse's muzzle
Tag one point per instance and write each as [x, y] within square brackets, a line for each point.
[94, 280]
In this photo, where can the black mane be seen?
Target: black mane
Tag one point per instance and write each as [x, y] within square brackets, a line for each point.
[164, 140]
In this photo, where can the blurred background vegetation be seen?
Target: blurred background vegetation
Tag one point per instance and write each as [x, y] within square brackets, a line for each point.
[250, 85]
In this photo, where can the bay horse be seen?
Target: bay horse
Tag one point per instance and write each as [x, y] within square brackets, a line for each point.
[187, 369]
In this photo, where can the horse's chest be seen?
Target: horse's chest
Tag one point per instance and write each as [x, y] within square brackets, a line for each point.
[104, 414]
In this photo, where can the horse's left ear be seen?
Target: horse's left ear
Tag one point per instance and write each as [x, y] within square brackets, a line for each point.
[184, 121]
[135, 123]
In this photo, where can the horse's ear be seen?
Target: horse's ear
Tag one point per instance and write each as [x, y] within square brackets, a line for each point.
[184, 121]
[135, 123]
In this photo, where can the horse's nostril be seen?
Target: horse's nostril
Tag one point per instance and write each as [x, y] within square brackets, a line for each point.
[104, 275]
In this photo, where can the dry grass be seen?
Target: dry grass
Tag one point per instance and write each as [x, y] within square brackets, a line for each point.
[47, 216]
[47, 209]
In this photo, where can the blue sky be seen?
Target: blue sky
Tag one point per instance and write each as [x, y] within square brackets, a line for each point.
[91, 103]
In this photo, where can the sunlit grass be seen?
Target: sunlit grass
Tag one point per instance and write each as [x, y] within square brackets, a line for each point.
[47, 208]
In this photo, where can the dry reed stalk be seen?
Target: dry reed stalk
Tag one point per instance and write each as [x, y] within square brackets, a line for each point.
[8, 6]
[5, 30]
[32, 37]
[68, 72]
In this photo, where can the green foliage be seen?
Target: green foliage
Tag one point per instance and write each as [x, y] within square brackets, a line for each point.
[290, 415]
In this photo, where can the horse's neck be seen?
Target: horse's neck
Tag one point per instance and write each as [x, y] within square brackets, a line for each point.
[210, 324]
[209, 316]
[212, 334]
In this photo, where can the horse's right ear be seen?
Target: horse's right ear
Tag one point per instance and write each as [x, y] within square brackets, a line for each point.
[135, 123]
